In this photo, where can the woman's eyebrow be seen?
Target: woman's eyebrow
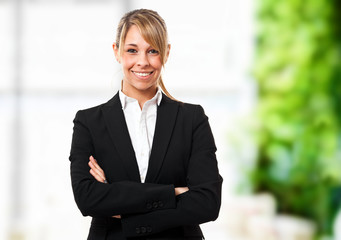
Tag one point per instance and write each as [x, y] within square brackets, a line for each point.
[131, 44]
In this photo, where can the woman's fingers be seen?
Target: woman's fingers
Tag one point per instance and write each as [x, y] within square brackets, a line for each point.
[94, 161]
[96, 166]
[96, 176]
[181, 190]
[96, 171]
[117, 216]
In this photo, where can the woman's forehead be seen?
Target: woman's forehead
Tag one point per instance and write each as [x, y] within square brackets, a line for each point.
[135, 38]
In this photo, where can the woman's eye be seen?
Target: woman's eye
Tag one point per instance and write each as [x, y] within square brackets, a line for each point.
[131, 51]
[153, 51]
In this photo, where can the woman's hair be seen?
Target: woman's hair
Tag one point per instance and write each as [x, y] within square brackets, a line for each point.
[152, 28]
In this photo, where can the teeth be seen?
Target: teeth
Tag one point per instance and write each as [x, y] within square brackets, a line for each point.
[142, 74]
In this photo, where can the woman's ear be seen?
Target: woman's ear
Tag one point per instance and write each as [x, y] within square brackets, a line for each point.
[116, 52]
[168, 50]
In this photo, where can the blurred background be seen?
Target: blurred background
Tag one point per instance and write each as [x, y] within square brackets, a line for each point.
[267, 72]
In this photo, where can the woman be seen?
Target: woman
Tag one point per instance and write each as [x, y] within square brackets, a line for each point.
[143, 165]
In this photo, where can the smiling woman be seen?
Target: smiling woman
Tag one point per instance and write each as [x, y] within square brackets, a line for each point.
[143, 165]
[137, 30]
[141, 65]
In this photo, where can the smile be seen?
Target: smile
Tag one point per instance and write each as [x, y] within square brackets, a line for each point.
[142, 74]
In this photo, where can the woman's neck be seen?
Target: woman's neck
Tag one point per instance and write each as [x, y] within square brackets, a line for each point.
[141, 96]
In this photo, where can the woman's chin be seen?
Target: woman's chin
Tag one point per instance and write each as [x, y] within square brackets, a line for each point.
[145, 87]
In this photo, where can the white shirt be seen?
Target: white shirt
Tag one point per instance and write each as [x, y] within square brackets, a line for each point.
[141, 127]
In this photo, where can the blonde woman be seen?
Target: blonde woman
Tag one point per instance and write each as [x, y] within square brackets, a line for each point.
[143, 165]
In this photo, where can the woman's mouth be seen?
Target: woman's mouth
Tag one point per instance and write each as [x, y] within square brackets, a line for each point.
[142, 74]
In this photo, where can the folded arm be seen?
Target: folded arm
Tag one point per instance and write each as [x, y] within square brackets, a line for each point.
[132, 200]
[103, 200]
[198, 205]
[97, 172]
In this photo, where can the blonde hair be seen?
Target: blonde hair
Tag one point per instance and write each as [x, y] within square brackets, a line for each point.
[152, 28]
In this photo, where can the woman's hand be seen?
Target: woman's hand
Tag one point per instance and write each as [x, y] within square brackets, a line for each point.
[180, 190]
[96, 171]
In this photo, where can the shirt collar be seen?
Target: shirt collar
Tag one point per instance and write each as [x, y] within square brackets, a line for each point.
[125, 100]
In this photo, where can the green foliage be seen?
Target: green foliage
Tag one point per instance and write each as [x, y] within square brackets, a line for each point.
[298, 68]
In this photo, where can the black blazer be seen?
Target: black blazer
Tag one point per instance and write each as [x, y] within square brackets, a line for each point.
[183, 154]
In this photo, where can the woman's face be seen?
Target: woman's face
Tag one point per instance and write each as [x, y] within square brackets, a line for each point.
[140, 62]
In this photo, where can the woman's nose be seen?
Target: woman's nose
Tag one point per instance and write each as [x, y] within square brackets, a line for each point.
[142, 60]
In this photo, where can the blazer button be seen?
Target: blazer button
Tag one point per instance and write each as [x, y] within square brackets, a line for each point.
[155, 205]
[138, 230]
[160, 204]
[149, 229]
[143, 230]
[149, 206]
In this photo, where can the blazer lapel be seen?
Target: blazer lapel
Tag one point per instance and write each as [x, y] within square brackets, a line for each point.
[166, 118]
[115, 121]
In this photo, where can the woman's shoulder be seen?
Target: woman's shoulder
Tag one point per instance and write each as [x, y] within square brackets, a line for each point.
[186, 107]
[181, 104]
[96, 111]
[91, 110]
[97, 108]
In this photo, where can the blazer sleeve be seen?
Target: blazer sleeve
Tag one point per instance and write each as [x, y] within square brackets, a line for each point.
[104, 200]
[201, 203]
